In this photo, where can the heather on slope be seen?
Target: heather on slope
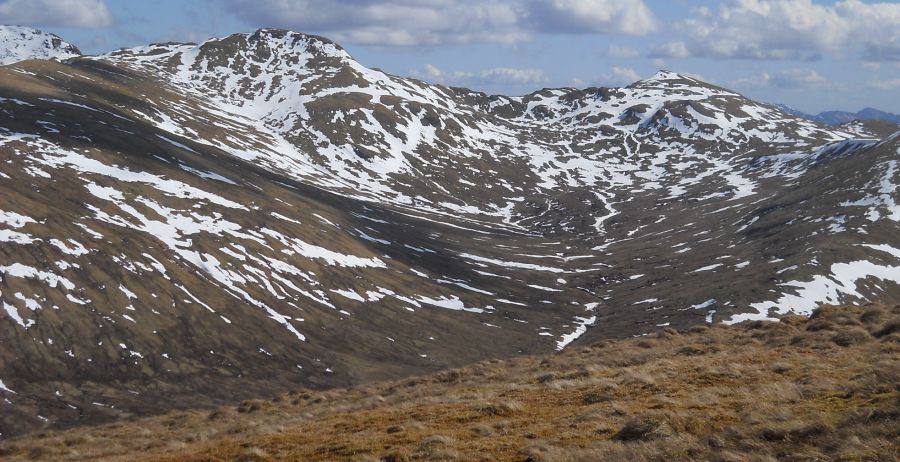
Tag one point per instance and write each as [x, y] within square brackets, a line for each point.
[823, 388]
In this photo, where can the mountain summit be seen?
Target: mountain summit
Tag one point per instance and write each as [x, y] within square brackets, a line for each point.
[190, 224]
[21, 43]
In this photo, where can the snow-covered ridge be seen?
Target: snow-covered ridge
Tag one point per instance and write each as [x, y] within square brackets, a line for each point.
[370, 129]
[22, 43]
[301, 106]
[269, 75]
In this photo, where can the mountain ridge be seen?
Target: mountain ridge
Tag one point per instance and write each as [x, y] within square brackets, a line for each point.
[204, 223]
[844, 117]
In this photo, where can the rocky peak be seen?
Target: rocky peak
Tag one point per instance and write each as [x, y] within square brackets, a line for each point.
[278, 49]
[675, 82]
[19, 43]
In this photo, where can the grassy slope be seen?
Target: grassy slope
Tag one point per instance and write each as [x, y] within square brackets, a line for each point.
[819, 389]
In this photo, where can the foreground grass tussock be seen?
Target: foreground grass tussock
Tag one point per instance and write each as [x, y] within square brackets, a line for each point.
[820, 389]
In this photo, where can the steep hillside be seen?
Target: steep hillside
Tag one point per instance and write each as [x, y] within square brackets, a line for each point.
[188, 225]
[795, 390]
[879, 128]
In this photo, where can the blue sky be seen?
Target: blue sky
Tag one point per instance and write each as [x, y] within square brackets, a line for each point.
[813, 55]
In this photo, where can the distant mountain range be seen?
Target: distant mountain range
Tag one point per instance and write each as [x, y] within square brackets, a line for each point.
[842, 117]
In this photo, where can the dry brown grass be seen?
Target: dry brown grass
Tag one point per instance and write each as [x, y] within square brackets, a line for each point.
[801, 390]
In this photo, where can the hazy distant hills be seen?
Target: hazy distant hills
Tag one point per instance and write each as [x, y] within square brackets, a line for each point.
[842, 117]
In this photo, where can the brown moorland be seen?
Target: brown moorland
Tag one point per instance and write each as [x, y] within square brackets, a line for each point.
[823, 388]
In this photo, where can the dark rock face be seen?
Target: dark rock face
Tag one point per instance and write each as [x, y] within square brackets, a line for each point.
[183, 225]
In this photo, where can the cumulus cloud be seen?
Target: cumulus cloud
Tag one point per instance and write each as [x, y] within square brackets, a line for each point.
[796, 78]
[625, 74]
[591, 16]
[53, 13]
[431, 73]
[619, 76]
[512, 76]
[676, 50]
[787, 79]
[437, 22]
[792, 29]
[499, 76]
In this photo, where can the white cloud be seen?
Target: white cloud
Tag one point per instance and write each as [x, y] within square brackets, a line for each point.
[578, 83]
[886, 85]
[625, 74]
[619, 76]
[676, 50]
[797, 78]
[871, 66]
[624, 52]
[794, 29]
[499, 76]
[50, 13]
[591, 16]
[431, 72]
[787, 79]
[438, 22]
[512, 76]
